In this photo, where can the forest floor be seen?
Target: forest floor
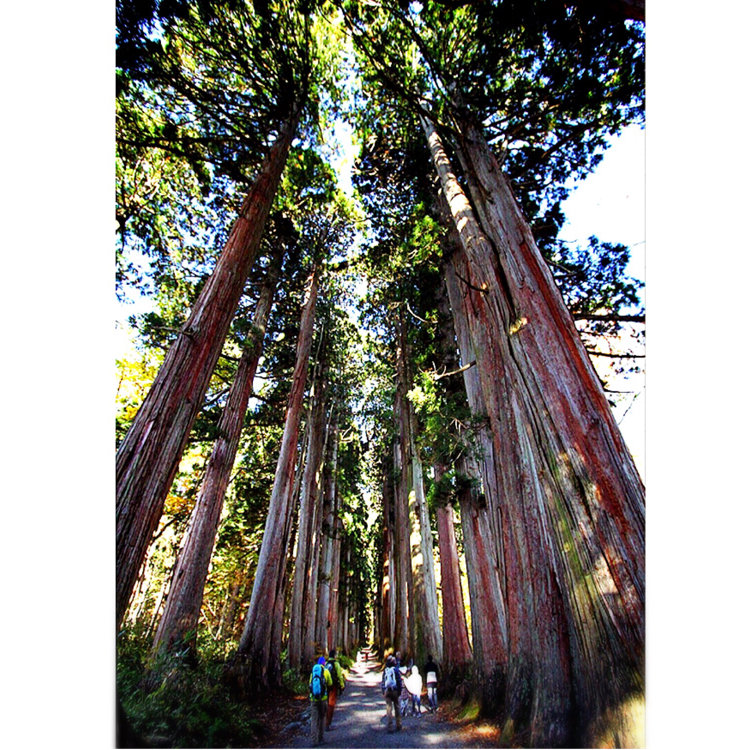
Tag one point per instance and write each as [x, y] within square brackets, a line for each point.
[360, 720]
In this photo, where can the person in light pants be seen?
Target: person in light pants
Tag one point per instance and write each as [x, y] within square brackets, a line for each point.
[431, 678]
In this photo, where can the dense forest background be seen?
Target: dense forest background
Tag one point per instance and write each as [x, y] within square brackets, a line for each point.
[81, 289]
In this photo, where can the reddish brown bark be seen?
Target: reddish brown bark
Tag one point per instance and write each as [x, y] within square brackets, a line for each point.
[179, 623]
[333, 607]
[485, 464]
[309, 647]
[330, 513]
[425, 620]
[456, 650]
[572, 499]
[148, 458]
[402, 585]
[387, 623]
[303, 567]
[489, 628]
[260, 644]
[482, 538]
[411, 638]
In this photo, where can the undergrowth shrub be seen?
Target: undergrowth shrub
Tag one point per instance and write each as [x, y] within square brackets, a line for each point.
[173, 703]
[294, 682]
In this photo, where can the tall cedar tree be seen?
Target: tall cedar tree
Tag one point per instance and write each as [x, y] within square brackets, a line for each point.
[179, 622]
[148, 457]
[571, 501]
[257, 663]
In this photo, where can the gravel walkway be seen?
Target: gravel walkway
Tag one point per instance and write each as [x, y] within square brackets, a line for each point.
[360, 720]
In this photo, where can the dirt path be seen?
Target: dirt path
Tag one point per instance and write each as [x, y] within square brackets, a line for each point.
[360, 720]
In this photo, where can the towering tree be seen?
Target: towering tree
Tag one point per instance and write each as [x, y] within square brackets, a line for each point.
[547, 473]
[456, 654]
[303, 591]
[258, 651]
[148, 457]
[560, 461]
[180, 619]
[426, 622]
[323, 634]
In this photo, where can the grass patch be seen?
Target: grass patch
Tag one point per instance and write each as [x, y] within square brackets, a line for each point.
[469, 711]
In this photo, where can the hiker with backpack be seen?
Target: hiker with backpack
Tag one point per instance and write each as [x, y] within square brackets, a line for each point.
[338, 684]
[431, 678]
[391, 685]
[320, 682]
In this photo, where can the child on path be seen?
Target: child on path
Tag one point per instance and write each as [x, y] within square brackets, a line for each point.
[405, 696]
[391, 685]
[320, 682]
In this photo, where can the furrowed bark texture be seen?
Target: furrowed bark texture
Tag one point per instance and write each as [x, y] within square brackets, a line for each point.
[311, 594]
[489, 629]
[482, 538]
[148, 458]
[412, 621]
[334, 634]
[457, 651]
[330, 512]
[259, 646]
[308, 497]
[423, 562]
[344, 593]
[402, 580]
[574, 511]
[484, 571]
[486, 461]
[387, 614]
[179, 623]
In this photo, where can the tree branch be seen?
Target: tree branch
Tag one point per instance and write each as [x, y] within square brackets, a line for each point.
[455, 372]
[613, 317]
[470, 285]
[615, 356]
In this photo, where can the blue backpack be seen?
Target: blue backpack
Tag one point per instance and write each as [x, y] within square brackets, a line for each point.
[318, 687]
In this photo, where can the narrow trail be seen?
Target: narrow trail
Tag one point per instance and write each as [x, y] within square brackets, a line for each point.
[360, 720]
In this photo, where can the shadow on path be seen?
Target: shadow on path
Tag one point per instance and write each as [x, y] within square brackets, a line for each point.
[360, 719]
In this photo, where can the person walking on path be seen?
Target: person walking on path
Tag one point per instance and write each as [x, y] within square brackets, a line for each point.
[337, 687]
[320, 682]
[391, 685]
[413, 683]
[431, 678]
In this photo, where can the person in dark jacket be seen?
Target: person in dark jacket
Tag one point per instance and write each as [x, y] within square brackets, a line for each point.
[391, 685]
[431, 673]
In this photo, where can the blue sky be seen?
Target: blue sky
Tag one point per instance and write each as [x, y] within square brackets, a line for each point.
[611, 204]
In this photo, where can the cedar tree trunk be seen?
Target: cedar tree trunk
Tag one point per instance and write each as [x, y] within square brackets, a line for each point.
[179, 622]
[456, 650]
[330, 511]
[425, 622]
[148, 458]
[257, 648]
[573, 501]
[333, 607]
[308, 498]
